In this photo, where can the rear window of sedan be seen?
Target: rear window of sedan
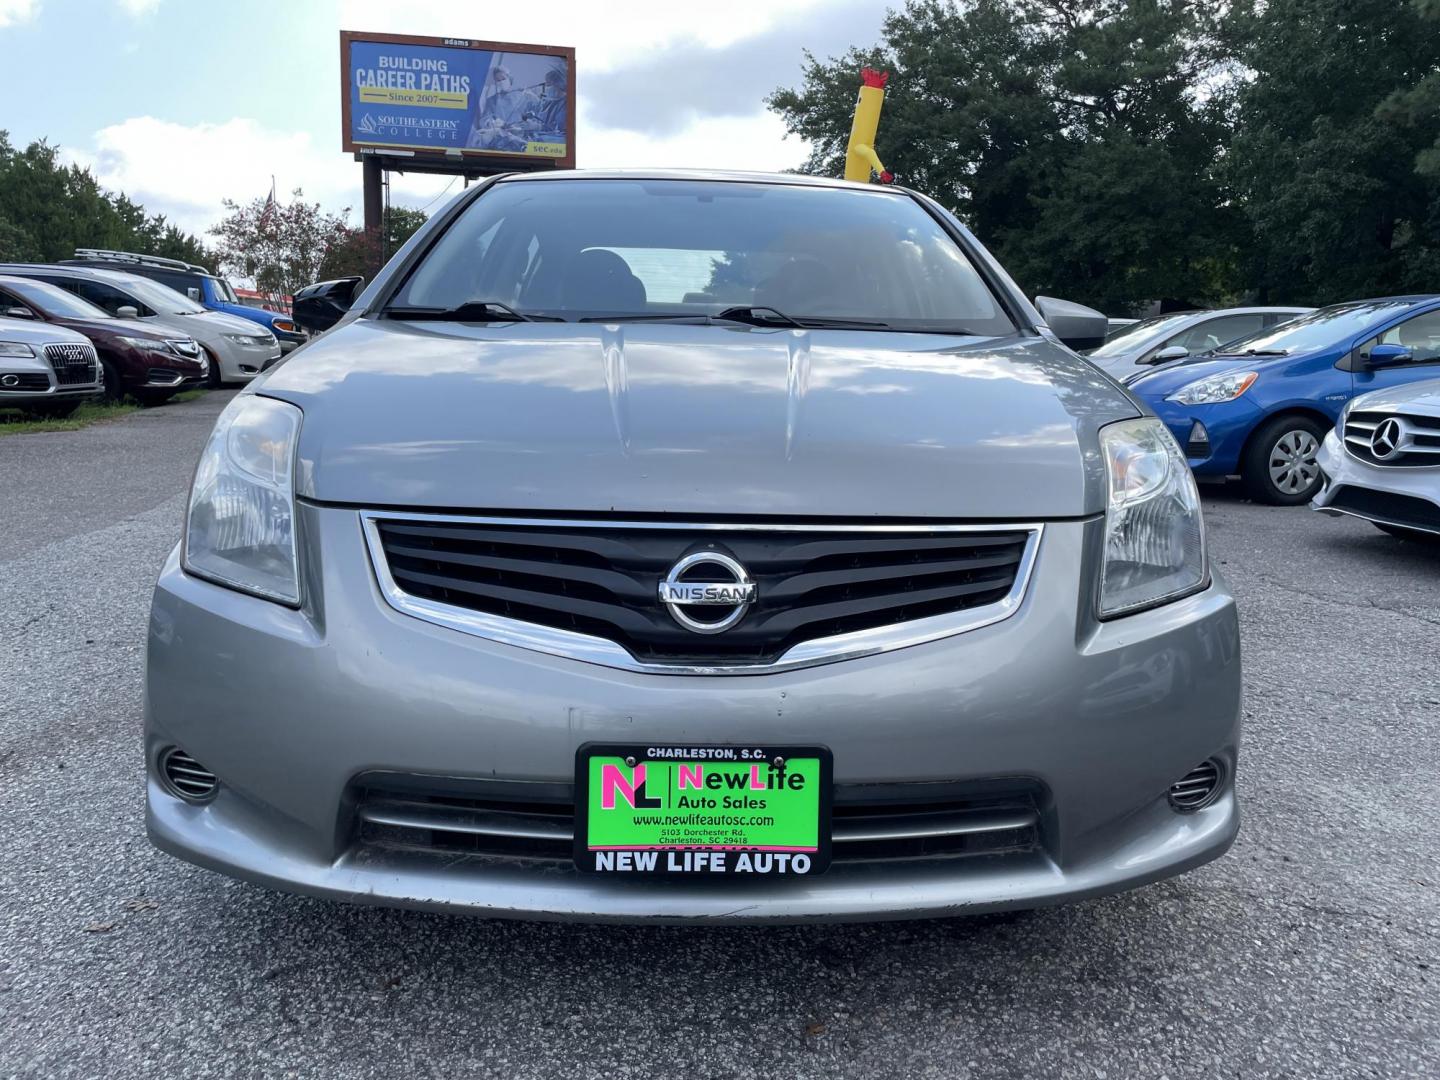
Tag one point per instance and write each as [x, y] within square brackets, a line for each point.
[593, 248]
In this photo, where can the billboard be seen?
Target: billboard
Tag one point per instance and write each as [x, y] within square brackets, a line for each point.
[445, 96]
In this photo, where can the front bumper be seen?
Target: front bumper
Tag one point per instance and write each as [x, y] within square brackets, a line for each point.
[1407, 496]
[1227, 425]
[241, 363]
[288, 708]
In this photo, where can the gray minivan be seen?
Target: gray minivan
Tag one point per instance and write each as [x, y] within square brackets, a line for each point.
[664, 546]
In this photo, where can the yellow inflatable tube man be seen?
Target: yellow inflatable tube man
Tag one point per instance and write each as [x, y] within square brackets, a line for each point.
[860, 157]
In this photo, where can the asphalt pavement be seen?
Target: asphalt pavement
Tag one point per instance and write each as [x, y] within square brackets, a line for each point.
[1311, 950]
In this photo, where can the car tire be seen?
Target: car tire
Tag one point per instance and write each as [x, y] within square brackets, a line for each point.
[212, 380]
[1400, 532]
[113, 390]
[1279, 465]
[54, 410]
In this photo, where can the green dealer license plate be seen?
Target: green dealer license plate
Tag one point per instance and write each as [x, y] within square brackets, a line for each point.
[740, 810]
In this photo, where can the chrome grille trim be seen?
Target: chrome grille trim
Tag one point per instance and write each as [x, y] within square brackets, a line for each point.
[601, 651]
[1419, 446]
[74, 364]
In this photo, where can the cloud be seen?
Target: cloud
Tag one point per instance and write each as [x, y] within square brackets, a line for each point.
[667, 90]
[137, 8]
[16, 11]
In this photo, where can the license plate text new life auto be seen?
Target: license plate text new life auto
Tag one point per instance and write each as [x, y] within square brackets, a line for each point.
[713, 810]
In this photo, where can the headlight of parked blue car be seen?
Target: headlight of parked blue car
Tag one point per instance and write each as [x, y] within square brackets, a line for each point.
[1154, 534]
[240, 530]
[1226, 386]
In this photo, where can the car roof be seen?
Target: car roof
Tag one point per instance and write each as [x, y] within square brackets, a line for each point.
[94, 273]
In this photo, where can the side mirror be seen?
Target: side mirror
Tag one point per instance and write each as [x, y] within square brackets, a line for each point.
[18, 313]
[128, 311]
[1389, 355]
[1170, 352]
[320, 306]
[1076, 325]
[193, 293]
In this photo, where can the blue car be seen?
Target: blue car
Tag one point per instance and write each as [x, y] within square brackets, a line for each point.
[188, 279]
[1260, 407]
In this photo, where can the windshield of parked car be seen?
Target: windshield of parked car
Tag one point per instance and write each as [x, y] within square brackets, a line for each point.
[1318, 330]
[52, 301]
[165, 300]
[223, 292]
[577, 249]
[1132, 337]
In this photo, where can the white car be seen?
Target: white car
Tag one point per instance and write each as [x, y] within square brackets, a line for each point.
[239, 349]
[1382, 461]
[1138, 348]
[45, 369]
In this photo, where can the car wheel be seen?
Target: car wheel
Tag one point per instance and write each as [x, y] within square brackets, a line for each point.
[112, 391]
[54, 410]
[212, 379]
[1280, 466]
[1402, 533]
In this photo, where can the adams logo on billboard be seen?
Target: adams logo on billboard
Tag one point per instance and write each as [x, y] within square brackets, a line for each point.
[451, 95]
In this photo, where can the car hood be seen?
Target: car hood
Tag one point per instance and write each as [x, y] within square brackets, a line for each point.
[210, 323]
[1169, 378]
[703, 420]
[30, 332]
[1417, 397]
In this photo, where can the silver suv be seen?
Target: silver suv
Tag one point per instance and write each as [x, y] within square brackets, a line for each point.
[666, 546]
[45, 370]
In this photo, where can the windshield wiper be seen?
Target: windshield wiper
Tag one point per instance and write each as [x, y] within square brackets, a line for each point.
[470, 311]
[1254, 352]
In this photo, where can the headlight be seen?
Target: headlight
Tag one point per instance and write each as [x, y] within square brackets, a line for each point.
[285, 326]
[1154, 535]
[149, 345]
[15, 348]
[240, 529]
[250, 339]
[1226, 386]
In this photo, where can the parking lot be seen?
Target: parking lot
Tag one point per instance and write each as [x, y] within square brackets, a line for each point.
[1311, 949]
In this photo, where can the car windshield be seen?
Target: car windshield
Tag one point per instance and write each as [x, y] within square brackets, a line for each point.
[223, 290]
[53, 301]
[162, 298]
[1317, 330]
[1132, 336]
[577, 249]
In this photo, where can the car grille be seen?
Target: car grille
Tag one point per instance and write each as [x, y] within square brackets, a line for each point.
[1386, 506]
[73, 364]
[870, 822]
[184, 346]
[1418, 442]
[603, 580]
[26, 381]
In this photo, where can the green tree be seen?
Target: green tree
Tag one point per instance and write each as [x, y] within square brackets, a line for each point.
[280, 246]
[48, 209]
[1067, 133]
[1336, 154]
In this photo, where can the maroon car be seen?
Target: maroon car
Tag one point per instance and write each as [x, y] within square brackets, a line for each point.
[150, 365]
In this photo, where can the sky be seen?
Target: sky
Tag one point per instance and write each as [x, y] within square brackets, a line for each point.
[183, 103]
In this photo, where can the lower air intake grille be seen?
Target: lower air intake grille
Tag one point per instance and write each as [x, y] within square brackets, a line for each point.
[186, 777]
[870, 823]
[1407, 510]
[25, 380]
[602, 580]
[1198, 787]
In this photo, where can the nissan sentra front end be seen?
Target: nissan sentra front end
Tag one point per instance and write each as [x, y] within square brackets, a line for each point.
[564, 606]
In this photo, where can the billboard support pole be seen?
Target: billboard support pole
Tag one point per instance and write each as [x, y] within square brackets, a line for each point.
[373, 202]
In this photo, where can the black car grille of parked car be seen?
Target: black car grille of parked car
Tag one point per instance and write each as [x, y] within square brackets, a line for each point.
[604, 581]
[1387, 506]
[73, 364]
[522, 820]
[1411, 440]
[25, 380]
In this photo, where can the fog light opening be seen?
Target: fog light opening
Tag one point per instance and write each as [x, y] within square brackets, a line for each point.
[1197, 443]
[186, 778]
[9, 380]
[1198, 788]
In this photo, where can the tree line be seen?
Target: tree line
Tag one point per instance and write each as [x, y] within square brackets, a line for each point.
[1121, 152]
